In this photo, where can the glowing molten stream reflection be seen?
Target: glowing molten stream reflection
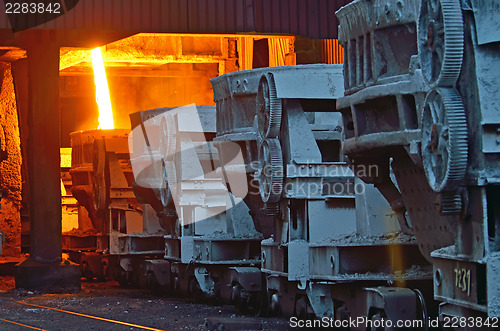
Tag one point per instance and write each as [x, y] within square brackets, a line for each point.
[101, 91]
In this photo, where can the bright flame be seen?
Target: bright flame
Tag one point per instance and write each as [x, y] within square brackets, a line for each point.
[102, 91]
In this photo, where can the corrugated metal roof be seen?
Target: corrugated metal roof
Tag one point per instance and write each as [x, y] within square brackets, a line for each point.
[311, 18]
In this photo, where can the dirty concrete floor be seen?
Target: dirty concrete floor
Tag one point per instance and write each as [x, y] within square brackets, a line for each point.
[108, 300]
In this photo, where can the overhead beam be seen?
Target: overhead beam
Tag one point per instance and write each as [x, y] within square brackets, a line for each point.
[11, 55]
[70, 58]
[137, 72]
[129, 57]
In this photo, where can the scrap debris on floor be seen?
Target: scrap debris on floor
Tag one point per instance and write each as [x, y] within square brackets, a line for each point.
[106, 306]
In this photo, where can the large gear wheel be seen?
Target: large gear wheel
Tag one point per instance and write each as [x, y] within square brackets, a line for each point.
[440, 38]
[270, 173]
[444, 139]
[450, 203]
[168, 137]
[269, 108]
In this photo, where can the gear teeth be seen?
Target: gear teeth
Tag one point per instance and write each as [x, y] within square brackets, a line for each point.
[451, 203]
[270, 170]
[453, 48]
[272, 208]
[445, 171]
[457, 123]
[271, 129]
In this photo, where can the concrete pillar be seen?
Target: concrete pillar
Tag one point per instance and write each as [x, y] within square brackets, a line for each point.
[44, 269]
[43, 153]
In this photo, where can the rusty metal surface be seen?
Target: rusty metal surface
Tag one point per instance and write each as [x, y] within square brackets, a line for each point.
[454, 220]
[487, 25]
[470, 291]
[311, 18]
[384, 90]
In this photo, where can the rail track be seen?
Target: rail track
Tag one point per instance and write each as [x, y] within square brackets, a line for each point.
[63, 311]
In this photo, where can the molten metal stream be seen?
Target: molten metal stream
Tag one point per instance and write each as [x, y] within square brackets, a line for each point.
[102, 91]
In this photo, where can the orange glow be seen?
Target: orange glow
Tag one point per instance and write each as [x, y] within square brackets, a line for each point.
[102, 91]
